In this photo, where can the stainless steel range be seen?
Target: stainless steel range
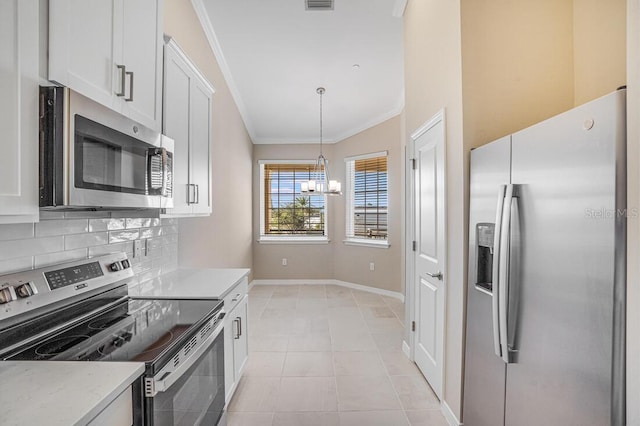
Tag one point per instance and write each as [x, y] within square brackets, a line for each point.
[82, 311]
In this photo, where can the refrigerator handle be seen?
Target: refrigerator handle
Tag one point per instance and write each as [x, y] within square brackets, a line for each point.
[495, 273]
[503, 273]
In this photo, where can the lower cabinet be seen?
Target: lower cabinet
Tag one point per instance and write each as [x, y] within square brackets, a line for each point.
[236, 348]
[118, 413]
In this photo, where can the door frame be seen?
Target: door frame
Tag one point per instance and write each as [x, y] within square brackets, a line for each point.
[410, 267]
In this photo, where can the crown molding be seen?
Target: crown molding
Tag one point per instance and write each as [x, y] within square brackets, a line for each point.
[205, 22]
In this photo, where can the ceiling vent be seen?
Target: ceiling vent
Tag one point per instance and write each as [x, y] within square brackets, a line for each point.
[318, 4]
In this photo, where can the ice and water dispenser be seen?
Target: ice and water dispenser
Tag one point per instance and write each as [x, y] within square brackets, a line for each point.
[484, 256]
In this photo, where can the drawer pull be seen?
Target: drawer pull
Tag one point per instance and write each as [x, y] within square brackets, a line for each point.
[237, 297]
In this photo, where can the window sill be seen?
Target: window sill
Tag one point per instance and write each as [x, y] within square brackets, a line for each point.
[367, 243]
[293, 240]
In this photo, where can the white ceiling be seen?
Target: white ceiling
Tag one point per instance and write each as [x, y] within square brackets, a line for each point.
[274, 55]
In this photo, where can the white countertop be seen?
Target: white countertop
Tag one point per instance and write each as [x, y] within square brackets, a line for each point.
[190, 284]
[60, 392]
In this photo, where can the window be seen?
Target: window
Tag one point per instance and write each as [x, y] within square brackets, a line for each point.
[367, 200]
[285, 213]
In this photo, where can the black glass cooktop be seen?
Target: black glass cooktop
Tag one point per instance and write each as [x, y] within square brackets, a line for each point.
[133, 330]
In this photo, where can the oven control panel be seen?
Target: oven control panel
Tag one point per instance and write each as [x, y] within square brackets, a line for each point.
[28, 291]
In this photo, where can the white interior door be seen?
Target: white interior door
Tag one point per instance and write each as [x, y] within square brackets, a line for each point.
[429, 255]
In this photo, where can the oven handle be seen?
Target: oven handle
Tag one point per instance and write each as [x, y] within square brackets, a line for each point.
[155, 385]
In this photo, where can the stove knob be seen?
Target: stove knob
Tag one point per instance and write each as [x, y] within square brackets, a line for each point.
[7, 294]
[115, 266]
[126, 264]
[26, 290]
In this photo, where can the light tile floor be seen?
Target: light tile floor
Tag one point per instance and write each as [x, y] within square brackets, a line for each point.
[324, 355]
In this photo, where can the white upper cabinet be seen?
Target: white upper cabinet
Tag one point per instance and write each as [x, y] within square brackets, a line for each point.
[111, 52]
[187, 120]
[142, 57]
[19, 111]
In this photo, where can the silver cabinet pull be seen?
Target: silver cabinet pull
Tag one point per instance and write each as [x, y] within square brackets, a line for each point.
[123, 70]
[191, 193]
[237, 323]
[437, 275]
[130, 74]
[236, 297]
[197, 194]
[239, 326]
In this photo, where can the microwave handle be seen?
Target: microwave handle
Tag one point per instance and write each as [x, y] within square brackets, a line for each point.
[164, 158]
[165, 172]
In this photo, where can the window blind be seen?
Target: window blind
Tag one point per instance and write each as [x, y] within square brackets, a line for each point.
[367, 197]
[284, 209]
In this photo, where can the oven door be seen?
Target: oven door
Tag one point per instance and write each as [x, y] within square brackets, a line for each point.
[194, 395]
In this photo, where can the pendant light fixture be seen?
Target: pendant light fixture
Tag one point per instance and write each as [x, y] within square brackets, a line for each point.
[319, 182]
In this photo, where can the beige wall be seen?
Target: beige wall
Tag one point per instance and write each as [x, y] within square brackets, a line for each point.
[351, 263]
[335, 260]
[304, 261]
[433, 80]
[517, 64]
[224, 238]
[599, 47]
[633, 234]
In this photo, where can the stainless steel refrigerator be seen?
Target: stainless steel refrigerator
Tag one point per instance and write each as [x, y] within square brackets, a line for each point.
[546, 292]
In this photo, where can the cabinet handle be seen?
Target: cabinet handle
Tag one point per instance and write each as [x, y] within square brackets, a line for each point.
[237, 297]
[197, 194]
[237, 322]
[130, 74]
[123, 70]
[191, 193]
[239, 327]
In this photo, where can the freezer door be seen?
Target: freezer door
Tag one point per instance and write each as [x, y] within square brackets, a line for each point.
[561, 318]
[484, 370]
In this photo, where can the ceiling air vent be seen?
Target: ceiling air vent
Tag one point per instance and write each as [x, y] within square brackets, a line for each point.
[318, 4]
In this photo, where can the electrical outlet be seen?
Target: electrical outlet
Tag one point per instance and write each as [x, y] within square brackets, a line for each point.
[372, 266]
[284, 261]
[137, 248]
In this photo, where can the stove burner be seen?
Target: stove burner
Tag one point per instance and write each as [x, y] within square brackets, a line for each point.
[102, 323]
[57, 346]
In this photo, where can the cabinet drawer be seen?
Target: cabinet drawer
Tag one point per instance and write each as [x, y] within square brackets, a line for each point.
[236, 294]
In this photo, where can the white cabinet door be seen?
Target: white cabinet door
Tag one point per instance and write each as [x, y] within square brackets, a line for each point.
[177, 87]
[19, 111]
[110, 51]
[187, 120]
[85, 42]
[142, 56]
[241, 341]
[199, 147]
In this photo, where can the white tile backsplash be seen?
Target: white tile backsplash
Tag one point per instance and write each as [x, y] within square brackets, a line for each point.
[96, 225]
[66, 236]
[16, 231]
[47, 228]
[86, 240]
[122, 236]
[42, 260]
[13, 249]
[16, 265]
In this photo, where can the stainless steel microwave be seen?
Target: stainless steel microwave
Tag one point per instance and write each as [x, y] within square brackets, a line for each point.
[93, 157]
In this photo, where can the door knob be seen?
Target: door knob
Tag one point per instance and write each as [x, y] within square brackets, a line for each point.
[437, 275]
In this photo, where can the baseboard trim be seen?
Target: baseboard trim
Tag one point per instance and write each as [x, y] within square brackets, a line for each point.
[406, 349]
[448, 414]
[382, 292]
